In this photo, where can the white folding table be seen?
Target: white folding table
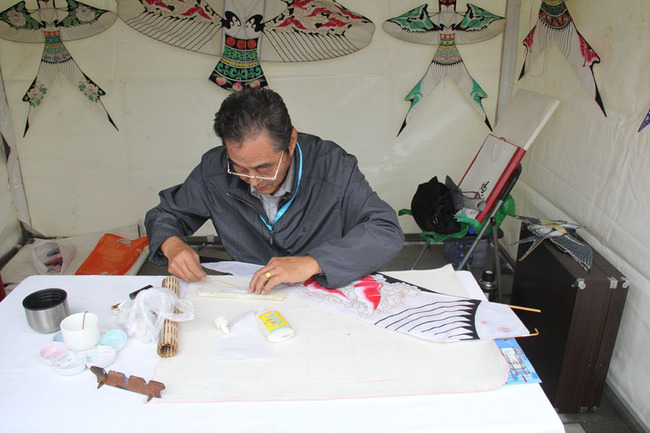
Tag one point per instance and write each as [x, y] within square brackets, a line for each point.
[33, 398]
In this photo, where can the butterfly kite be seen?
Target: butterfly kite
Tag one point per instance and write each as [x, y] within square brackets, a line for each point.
[561, 234]
[446, 29]
[53, 26]
[554, 24]
[245, 32]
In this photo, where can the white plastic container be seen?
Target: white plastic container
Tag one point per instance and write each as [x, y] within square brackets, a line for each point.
[274, 327]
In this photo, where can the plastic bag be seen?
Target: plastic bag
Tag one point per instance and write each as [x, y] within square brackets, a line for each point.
[52, 257]
[144, 317]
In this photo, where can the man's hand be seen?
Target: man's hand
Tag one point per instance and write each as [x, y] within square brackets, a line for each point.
[183, 261]
[283, 270]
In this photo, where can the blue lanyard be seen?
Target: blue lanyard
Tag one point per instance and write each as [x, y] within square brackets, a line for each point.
[284, 208]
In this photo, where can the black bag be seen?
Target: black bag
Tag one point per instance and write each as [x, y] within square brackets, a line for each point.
[433, 208]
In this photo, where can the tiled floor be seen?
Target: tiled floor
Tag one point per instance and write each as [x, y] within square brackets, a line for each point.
[610, 416]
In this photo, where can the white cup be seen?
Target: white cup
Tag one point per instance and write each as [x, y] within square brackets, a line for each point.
[80, 331]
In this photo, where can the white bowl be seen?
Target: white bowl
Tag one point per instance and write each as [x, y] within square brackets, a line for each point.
[80, 331]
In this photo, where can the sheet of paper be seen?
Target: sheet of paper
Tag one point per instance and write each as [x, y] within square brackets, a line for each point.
[331, 356]
[485, 170]
[524, 117]
[246, 270]
[244, 342]
[232, 286]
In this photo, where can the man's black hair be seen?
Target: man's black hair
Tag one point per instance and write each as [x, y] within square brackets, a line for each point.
[246, 113]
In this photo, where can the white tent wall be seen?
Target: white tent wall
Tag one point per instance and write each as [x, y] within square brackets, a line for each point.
[10, 230]
[593, 170]
[81, 175]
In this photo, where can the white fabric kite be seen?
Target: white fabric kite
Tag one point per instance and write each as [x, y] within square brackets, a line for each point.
[53, 26]
[554, 24]
[404, 307]
[245, 32]
[447, 28]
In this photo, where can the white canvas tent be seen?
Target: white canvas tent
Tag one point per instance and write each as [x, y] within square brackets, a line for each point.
[82, 176]
[12, 200]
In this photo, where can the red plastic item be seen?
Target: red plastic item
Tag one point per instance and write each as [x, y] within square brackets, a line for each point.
[113, 255]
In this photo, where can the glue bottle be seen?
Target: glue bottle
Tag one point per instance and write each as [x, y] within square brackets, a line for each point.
[274, 327]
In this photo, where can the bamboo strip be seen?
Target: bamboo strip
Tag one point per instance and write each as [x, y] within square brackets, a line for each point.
[533, 310]
[168, 338]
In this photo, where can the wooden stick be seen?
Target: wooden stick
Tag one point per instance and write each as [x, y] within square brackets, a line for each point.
[534, 310]
[219, 280]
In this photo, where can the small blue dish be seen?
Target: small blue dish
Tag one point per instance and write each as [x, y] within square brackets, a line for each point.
[113, 338]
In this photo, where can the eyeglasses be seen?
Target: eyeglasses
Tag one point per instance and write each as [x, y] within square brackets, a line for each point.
[232, 171]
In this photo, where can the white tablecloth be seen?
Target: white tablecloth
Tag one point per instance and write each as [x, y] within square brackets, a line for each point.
[34, 398]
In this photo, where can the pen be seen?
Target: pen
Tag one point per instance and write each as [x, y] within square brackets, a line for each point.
[132, 295]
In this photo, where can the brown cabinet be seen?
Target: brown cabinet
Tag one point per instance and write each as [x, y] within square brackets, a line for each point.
[581, 312]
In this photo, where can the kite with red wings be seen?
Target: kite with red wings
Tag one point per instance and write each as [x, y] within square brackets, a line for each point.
[554, 24]
[245, 32]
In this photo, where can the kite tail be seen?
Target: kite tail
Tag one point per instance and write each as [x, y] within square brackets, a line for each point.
[487, 122]
[110, 119]
[404, 126]
[414, 101]
[415, 96]
[528, 43]
[645, 121]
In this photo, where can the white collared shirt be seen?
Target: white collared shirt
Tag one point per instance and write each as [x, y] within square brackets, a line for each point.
[271, 202]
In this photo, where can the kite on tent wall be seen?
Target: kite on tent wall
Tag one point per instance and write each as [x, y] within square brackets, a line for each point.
[52, 27]
[447, 29]
[245, 32]
[554, 23]
[645, 121]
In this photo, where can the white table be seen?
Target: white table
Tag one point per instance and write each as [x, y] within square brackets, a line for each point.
[34, 398]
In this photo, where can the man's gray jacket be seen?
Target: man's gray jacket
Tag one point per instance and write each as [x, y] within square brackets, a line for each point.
[335, 216]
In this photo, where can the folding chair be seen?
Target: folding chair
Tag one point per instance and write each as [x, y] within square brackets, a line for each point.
[490, 222]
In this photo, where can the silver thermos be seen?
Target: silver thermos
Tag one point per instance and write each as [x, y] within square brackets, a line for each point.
[488, 284]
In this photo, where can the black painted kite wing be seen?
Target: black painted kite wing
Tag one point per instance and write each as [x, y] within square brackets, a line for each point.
[76, 21]
[81, 21]
[416, 26]
[581, 252]
[421, 27]
[17, 25]
[192, 25]
[310, 30]
[529, 220]
[478, 25]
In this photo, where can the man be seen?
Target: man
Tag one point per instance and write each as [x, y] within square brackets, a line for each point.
[292, 202]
